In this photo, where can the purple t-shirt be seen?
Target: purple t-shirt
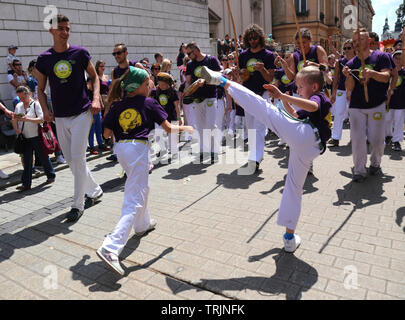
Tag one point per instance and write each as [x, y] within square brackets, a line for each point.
[319, 117]
[342, 79]
[65, 72]
[166, 99]
[118, 72]
[194, 70]
[285, 83]
[398, 98]
[134, 118]
[311, 56]
[377, 91]
[247, 60]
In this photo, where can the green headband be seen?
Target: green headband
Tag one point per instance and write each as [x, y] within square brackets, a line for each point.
[134, 79]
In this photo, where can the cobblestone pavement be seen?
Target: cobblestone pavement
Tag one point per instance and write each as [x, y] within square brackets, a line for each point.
[216, 236]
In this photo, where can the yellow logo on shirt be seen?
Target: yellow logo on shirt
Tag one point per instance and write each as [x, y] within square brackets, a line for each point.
[378, 116]
[163, 100]
[285, 80]
[130, 119]
[63, 69]
[300, 65]
[399, 82]
[197, 72]
[251, 64]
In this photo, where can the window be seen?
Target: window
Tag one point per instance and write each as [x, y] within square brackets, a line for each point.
[301, 6]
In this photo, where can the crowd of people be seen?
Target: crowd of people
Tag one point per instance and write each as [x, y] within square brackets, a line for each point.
[239, 94]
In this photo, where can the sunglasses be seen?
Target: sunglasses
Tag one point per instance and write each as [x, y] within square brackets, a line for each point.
[253, 38]
[189, 52]
[117, 53]
[17, 65]
[347, 48]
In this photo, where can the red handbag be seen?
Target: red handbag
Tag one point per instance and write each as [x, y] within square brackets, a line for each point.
[47, 138]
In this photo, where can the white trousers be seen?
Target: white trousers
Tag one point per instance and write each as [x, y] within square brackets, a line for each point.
[240, 126]
[256, 149]
[304, 148]
[206, 125]
[339, 110]
[167, 142]
[133, 157]
[189, 112]
[367, 123]
[73, 133]
[394, 124]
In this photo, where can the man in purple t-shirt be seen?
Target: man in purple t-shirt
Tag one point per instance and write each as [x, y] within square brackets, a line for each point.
[367, 118]
[64, 65]
[205, 105]
[260, 63]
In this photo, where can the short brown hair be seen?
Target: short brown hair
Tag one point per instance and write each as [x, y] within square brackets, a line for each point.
[60, 18]
[123, 45]
[305, 34]
[193, 45]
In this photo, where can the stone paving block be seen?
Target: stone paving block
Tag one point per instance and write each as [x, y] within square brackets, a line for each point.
[161, 295]
[337, 288]
[10, 290]
[136, 290]
[397, 265]
[372, 259]
[396, 290]
[316, 295]
[390, 253]
[316, 257]
[377, 241]
[371, 295]
[357, 246]
[363, 268]
[392, 275]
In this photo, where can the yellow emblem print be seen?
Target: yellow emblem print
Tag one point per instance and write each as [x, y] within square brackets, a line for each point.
[378, 116]
[285, 80]
[63, 69]
[130, 119]
[329, 119]
[251, 64]
[163, 100]
[300, 65]
[197, 72]
[399, 82]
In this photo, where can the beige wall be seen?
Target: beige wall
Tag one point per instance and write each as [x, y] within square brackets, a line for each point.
[242, 14]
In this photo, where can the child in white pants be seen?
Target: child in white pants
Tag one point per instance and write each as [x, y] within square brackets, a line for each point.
[131, 121]
[307, 139]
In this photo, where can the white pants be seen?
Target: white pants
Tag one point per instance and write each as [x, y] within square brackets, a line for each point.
[339, 111]
[167, 142]
[394, 124]
[367, 123]
[304, 148]
[206, 124]
[133, 157]
[240, 126]
[256, 149]
[73, 133]
[189, 112]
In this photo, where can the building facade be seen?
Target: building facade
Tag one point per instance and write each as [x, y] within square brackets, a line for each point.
[145, 26]
[324, 18]
[245, 12]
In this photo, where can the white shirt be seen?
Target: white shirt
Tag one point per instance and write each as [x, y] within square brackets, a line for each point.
[9, 60]
[30, 128]
[20, 80]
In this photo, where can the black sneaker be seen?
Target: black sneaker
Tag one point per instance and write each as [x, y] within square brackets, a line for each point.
[89, 202]
[74, 215]
[388, 140]
[374, 170]
[112, 158]
[333, 142]
[397, 146]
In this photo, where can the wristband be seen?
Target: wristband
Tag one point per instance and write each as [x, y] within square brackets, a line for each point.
[223, 82]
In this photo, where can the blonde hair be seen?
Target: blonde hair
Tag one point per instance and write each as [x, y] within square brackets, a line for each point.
[166, 66]
[312, 75]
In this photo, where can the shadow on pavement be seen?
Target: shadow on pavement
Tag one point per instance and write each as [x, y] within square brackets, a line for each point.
[16, 195]
[293, 276]
[400, 217]
[308, 186]
[186, 171]
[360, 195]
[236, 181]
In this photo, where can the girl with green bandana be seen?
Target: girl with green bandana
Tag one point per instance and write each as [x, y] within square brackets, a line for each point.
[131, 120]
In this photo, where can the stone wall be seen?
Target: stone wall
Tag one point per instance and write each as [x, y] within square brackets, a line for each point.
[146, 26]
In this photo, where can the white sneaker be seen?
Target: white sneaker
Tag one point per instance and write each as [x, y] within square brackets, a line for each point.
[111, 260]
[60, 159]
[3, 175]
[152, 226]
[211, 77]
[292, 245]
